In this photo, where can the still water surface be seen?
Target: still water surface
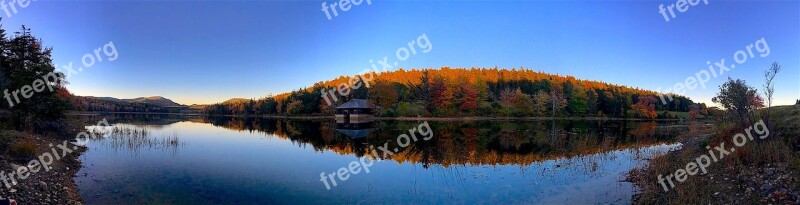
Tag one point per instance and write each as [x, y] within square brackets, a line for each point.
[169, 159]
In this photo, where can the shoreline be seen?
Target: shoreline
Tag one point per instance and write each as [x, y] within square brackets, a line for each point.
[726, 182]
[79, 113]
[56, 186]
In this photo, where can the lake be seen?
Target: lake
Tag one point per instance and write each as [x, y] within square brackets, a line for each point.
[176, 159]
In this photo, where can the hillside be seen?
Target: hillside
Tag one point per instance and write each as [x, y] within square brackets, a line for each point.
[110, 104]
[153, 100]
[468, 92]
[234, 101]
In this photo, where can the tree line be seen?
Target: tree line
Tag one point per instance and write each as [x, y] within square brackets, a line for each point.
[23, 62]
[460, 92]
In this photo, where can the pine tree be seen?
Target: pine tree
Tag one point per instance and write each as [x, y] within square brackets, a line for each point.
[24, 60]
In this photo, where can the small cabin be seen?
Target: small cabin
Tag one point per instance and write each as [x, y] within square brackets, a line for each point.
[354, 111]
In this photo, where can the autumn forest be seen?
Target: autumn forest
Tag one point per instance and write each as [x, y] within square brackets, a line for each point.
[460, 92]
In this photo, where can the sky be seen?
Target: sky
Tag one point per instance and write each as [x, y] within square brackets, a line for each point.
[201, 52]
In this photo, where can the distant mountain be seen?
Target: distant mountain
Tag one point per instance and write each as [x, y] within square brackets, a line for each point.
[156, 100]
[153, 100]
[141, 104]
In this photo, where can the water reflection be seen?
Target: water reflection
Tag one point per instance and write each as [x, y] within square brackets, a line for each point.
[259, 160]
[455, 142]
[130, 137]
[492, 142]
[356, 130]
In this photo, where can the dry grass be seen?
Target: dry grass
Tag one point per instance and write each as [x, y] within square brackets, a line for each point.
[134, 139]
[683, 193]
[781, 147]
[23, 150]
[6, 138]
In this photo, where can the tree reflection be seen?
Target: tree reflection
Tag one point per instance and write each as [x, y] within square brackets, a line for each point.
[461, 143]
[454, 142]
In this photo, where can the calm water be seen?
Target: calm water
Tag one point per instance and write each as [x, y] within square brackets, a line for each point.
[200, 160]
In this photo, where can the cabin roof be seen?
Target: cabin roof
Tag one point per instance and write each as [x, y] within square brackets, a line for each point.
[356, 104]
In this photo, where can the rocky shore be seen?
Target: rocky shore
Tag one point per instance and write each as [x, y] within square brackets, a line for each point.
[725, 183]
[55, 186]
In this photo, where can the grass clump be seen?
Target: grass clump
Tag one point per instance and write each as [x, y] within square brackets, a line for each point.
[6, 138]
[23, 150]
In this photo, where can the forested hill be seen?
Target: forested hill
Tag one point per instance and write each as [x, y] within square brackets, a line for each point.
[450, 92]
[109, 104]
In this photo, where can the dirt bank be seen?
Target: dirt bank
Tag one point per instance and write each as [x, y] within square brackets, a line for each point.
[763, 172]
[55, 186]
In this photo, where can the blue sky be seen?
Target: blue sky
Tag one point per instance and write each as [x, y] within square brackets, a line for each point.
[210, 51]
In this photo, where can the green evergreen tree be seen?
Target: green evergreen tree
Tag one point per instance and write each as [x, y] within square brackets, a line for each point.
[23, 61]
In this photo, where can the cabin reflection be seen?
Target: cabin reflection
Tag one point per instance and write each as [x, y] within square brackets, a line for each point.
[356, 130]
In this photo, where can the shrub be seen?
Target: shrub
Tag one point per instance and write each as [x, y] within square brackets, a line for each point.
[408, 109]
[23, 150]
[6, 137]
[388, 112]
[485, 109]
